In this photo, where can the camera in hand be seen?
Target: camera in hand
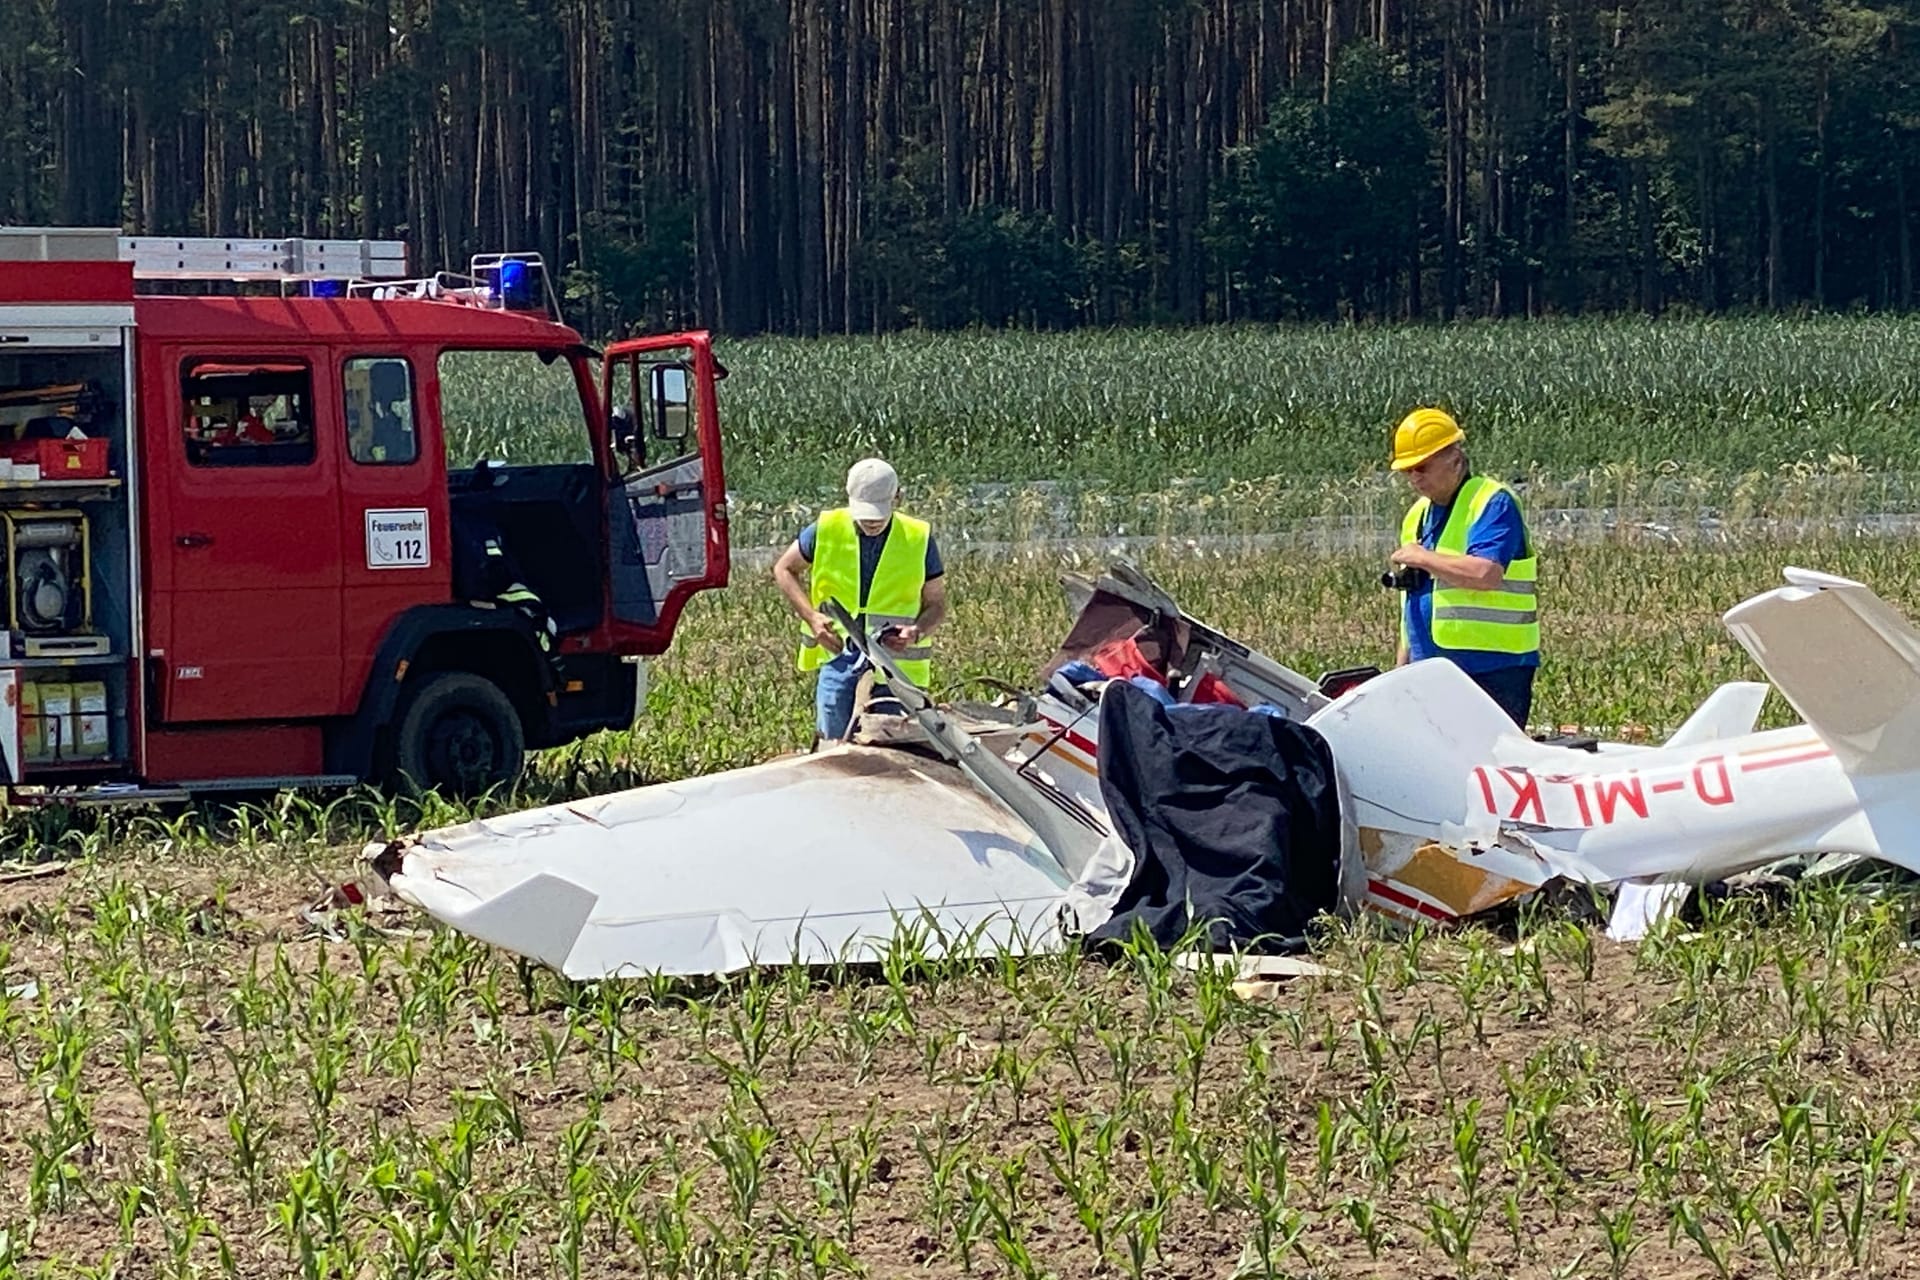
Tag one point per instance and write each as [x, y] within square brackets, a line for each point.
[1405, 578]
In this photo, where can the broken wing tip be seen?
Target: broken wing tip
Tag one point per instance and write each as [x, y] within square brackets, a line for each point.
[541, 917]
[1797, 584]
[1818, 579]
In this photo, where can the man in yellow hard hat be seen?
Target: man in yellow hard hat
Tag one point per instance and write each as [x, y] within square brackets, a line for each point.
[1465, 566]
[884, 568]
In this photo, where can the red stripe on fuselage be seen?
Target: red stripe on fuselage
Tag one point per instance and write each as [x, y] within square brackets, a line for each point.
[1775, 762]
[1411, 903]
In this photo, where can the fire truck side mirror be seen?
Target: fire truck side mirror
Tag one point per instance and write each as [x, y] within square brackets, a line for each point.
[672, 401]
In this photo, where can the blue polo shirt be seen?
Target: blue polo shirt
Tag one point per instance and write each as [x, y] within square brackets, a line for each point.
[1497, 535]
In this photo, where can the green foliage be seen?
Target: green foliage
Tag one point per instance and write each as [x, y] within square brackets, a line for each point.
[1321, 214]
[948, 269]
[633, 269]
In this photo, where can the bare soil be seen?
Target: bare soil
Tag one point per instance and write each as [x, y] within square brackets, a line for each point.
[193, 1067]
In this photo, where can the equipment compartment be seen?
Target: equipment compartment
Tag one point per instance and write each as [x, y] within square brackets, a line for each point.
[66, 553]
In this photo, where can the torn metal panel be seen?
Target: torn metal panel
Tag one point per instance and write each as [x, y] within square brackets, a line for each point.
[1641, 905]
[1124, 601]
[808, 859]
[1061, 828]
[1413, 878]
[1843, 659]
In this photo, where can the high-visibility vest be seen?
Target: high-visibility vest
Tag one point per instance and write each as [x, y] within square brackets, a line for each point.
[520, 596]
[893, 597]
[1504, 620]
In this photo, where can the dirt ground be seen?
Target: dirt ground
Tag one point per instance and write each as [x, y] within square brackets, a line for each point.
[201, 1081]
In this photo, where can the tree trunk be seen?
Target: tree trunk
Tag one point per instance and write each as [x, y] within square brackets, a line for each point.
[1570, 168]
[812, 171]
[853, 157]
[1023, 65]
[1058, 158]
[1906, 239]
[1822, 106]
[1329, 44]
[707, 193]
[1193, 181]
[1649, 259]
[1453, 197]
[947, 42]
[1770, 144]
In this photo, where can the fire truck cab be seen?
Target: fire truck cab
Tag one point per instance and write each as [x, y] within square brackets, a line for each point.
[273, 513]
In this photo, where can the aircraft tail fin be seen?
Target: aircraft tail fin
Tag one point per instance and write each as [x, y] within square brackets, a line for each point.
[1729, 711]
[1847, 661]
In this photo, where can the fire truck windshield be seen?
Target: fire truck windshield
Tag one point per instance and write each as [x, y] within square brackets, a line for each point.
[511, 406]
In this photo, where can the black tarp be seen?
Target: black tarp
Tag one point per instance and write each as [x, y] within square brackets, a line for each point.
[1233, 813]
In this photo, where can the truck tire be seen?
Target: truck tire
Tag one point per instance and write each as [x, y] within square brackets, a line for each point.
[459, 734]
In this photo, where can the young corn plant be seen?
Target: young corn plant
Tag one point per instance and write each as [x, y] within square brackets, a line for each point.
[577, 1191]
[65, 1143]
[1140, 1231]
[1278, 1231]
[946, 1159]
[740, 1148]
[1685, 1216]
[313, 1215]
[1619, 1232]
[1080, 1162]
[1014, 1070]
[1364, 1214]
[1452, 1224]
[1200, 1148]
[852, 1166]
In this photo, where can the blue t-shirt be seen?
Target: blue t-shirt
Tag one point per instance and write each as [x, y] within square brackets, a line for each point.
[871, 545]
[1497, 535]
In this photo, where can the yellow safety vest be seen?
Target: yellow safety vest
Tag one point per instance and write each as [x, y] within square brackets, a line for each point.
[893, 598]
[1504, 620]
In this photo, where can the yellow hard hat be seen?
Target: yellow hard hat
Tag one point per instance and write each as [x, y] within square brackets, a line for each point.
[1421, 434]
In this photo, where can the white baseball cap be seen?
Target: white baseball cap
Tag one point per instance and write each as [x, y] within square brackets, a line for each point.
[871, 486]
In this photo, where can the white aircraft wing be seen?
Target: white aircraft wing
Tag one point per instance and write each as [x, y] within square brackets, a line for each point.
[807, 859]
[1845, 660]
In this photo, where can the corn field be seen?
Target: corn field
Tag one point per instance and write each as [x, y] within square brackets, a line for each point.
[199, 1076]
[1697, 425]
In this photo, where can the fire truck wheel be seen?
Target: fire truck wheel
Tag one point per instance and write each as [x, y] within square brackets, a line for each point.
[458, 734]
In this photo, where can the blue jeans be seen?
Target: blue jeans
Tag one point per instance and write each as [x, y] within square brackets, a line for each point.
[1511, 687]
[834, 693]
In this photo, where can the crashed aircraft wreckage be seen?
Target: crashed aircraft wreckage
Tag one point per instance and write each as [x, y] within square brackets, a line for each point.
[1409, 793]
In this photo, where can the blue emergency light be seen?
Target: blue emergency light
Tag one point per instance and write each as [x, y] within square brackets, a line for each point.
[518, 285]
[511, 281]
[327, 289]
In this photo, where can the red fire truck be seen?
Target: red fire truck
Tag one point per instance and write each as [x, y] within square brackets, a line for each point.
[238, 553]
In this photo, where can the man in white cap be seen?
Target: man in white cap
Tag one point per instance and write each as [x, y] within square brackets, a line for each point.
[884, 568]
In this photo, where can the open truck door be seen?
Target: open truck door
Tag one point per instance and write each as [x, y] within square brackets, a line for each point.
[667, 499]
